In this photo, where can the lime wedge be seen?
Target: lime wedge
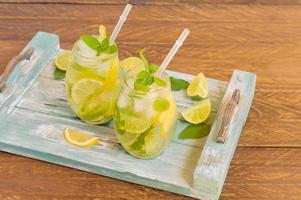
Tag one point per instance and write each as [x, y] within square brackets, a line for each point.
[198, 87]
[153, 139]
[134, 124]
[62, 61]
[198, 112]
[79, 139]
[82, 89]
[134, 63]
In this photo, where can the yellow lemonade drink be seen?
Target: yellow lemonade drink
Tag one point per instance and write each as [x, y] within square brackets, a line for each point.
[145, 115]
[92, 82]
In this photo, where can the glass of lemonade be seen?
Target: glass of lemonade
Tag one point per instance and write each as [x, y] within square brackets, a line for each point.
[145, 114]
[92, 82]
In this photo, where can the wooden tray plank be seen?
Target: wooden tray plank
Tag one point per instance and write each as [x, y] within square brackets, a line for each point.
[215, 160]
[40, 136]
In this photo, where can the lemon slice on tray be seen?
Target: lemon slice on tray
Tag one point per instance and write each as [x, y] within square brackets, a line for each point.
[197, 113]
[80, 139]
[62, 61]
[198, 87]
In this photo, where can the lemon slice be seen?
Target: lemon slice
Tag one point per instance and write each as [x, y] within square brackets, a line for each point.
[134, 124]
[102, 31]
[82, 89]
[79, 139]
[198, 87]
[62, 61]
[132, 63]
[198, 112]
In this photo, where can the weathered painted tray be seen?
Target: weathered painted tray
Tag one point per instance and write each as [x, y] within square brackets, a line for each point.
[34, 113]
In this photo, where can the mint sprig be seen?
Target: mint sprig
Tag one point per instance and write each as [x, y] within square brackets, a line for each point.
[178, 84]
[193, 131]
[146, 77]
[100, 47]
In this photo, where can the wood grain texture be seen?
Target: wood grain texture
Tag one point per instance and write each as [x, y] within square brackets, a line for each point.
[261, 36]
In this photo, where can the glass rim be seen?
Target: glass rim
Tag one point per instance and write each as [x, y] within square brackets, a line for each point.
[138, 93]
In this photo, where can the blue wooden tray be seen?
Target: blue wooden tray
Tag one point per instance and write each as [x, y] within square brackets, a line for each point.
[34, 112]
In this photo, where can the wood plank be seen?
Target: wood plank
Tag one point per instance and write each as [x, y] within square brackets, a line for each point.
[214, 33]
[196, 13]
[255, 173]
[215, 61]
[163, 2]
[271, 133]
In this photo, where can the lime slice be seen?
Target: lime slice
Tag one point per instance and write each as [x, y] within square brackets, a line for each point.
[134, 63]
[198, 112]
[134, 124]
[198, 87]
[153, 139]
[128, 139]
[62, 61]
[82, 89]
[95, 111]
[79, 139]
[161, 105]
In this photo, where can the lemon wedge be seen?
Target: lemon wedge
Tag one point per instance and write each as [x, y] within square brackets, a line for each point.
[80, 139]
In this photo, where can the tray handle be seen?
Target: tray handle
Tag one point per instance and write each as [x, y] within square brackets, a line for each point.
[228, 115]
[26, 55]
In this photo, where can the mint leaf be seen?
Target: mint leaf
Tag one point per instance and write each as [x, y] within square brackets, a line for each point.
[153, 68]
[159, 82]
[193, 131]
[142, 74]
[91, 42]
[144, 60]
[99, 47]
[113, 48]
[145, 78]
[58, 74]
[140, 86]
[178, 84]
[161, 105]
[105, 44]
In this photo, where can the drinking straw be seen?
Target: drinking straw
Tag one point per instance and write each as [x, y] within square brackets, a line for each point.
[173, 51]
[121, 21]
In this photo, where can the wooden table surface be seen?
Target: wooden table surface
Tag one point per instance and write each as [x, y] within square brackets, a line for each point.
[260, 36]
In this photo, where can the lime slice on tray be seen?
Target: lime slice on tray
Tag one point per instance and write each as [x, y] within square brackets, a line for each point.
[198, 87]
[134, 63]
[197, 113]
[79, 139]
[82, 89]
[62, 61]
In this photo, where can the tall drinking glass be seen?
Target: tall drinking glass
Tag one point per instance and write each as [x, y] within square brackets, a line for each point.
[92, 82]
[145, 119]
